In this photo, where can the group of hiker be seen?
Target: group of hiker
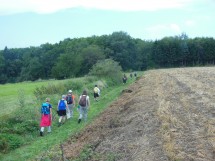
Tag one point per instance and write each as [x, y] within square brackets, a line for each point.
[124, 78]
[65, 108]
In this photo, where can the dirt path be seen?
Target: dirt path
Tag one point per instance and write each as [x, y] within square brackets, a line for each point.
[166, 115]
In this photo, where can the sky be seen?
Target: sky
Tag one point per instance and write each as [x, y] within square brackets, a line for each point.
[26, 23]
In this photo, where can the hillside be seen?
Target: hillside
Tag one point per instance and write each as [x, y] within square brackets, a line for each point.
[165, 115]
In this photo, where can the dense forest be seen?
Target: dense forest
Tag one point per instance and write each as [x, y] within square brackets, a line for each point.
[75, 57]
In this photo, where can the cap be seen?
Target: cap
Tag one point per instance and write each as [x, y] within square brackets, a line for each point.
[70, 91]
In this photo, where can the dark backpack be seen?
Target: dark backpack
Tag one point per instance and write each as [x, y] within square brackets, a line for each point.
[62, 105]
[83, 101]
[69, 99]
[45, 109]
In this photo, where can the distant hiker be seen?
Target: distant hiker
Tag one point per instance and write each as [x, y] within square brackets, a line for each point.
[124, 79]
[96, 92]
[62, 107]
[84, 102]
[70, 98]
[46, 116]
[131, 75]
[135, 74]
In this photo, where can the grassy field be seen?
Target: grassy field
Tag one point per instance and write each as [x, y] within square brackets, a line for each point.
[10, 93]
[59, 134]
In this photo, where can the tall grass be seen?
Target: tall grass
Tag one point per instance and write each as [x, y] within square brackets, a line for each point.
[10, 93]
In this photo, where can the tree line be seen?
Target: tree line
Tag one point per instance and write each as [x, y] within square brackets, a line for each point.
[75, 57]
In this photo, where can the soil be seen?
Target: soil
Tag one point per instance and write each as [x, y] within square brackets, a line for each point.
[166, 115]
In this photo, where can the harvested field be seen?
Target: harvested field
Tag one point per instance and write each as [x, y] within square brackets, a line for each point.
[167, 115]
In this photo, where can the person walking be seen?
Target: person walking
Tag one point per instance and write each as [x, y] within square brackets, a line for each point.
[84, 103]
[62, 107]
[131, 75]
[46, 116]
[124, 79]
[70, 98]
[96, 92]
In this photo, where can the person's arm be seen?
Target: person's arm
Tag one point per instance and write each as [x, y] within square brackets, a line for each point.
[50, 111]
[88, 100]
[73, 97]
[98, 91]
[58, 105]
[66, 104]
[79, 98]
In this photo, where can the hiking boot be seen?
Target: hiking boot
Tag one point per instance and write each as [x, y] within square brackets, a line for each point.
[41, 133]
[79, 120]
[59, 124]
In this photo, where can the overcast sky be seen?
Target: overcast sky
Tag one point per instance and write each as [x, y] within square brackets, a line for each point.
[26, 23]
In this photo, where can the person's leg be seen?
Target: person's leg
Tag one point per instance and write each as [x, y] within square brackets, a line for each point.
[80, 114]
[68, 113]
[71, 110]
[60, 120]
[97, 97]
[94, 95]
[64, 119]
[49, 129]
[85, 110]
[41, 131]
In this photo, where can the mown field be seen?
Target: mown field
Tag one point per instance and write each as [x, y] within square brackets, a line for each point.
[167, 115]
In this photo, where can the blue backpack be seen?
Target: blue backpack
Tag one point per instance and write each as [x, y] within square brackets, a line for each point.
[62, 105]
[45, 109]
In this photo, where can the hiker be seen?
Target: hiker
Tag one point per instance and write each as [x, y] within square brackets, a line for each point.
[70, 98]
[135, 74]
[96, 92]
[84, 102]
[62, 107]
[124, 79]
[46, 116]
[131, 75]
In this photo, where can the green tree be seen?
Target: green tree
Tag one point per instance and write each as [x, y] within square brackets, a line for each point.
[33, 71]
[89, 56]
[67, 65]
[107, 68]
[124, 49]
[3, 76]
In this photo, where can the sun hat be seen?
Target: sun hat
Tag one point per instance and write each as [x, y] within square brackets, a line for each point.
[70, 91]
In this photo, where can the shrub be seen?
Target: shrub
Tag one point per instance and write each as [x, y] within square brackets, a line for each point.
[10, 142]
[74, 85]
[21, 98]
[108, 69]
[4, 146]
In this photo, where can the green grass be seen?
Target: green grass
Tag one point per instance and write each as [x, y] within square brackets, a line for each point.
[60, 134]
[9, 94]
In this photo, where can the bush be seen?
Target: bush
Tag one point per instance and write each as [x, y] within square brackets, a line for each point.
[10, 142]
[4, 146]
[108, 69]
[17, 130]
[73, 85]
[44, 91]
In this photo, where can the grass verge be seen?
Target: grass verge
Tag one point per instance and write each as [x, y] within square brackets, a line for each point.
[34, 150]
